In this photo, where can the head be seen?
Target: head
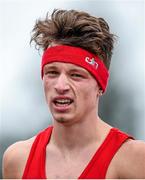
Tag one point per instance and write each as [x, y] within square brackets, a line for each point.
[71, 90]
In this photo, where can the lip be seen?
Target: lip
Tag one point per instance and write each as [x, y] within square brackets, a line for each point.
[64, 108]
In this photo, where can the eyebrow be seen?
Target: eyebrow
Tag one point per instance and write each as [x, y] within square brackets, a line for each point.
[78, 70]
[50, 67]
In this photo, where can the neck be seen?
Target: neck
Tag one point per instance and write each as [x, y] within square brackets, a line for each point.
[78, 135]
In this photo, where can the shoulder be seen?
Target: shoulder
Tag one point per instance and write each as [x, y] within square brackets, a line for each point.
[131, 160]
[15, 157]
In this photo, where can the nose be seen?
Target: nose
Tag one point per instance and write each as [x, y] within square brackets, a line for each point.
[62, 84]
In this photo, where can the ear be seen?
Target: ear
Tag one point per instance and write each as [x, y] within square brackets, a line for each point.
[100, 92]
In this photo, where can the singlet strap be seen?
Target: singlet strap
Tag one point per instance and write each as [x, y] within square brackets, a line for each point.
[99, 164]
[35, 164]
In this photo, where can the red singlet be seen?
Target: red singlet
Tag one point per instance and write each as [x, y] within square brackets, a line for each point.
[97, 167]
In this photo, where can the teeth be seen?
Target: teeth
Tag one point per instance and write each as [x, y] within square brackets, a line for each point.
[63, 101]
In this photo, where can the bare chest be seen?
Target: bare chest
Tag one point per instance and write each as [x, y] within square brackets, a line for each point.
[63, 167]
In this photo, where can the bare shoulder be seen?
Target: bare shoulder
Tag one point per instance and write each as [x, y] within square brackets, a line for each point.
[15, 157]
[131, 160]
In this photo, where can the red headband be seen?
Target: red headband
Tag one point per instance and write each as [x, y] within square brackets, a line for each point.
[80, 57]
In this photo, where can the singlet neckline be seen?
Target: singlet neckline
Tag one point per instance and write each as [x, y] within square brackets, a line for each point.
[90, 163]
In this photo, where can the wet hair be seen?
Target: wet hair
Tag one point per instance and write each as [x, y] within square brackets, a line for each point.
[75, 28]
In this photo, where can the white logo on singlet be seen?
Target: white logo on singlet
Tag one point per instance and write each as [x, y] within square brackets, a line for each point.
[92, 62]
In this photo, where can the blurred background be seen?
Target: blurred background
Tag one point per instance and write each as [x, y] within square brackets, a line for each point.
[23, 111]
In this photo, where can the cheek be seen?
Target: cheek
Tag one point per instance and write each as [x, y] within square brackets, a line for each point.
[47, 84]
[89, 94]
[47, 88]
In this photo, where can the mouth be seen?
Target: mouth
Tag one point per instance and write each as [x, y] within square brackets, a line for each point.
[62, 103]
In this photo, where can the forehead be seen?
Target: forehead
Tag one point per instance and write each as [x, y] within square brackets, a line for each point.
[66, 66]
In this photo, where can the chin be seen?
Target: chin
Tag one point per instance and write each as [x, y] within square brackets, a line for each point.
[63, 120]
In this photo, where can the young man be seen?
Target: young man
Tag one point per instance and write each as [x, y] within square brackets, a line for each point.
[79, 145]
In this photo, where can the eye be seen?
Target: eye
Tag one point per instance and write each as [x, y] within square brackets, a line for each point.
[52, 73]
[77, 75]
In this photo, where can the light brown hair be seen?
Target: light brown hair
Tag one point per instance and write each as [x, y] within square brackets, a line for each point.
[75, 28]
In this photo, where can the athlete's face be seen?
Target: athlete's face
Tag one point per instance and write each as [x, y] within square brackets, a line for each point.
[71, 92]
